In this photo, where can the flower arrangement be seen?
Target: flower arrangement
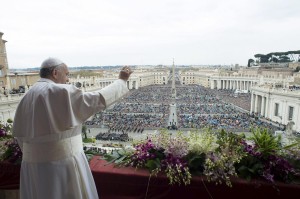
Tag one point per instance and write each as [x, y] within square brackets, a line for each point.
[5, 129]
[268, 159]
[9, 148]
[218, 156]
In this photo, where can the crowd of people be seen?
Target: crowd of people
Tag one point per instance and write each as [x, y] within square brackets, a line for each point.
[150, 94]
[113, 136]
[140, 108]
[197, 107]
[241, 100]
[241, 122]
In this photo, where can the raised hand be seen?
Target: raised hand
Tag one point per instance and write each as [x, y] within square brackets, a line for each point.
[125, 73]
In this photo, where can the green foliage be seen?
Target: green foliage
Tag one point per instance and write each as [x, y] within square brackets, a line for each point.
[153, 164]
[220, 164]
[88, 140]
[249, 167]
[9, 148]
[217, 156]
[202, 141]
[262, 58]
[250, 61]
[6, 127]
[83, 130]
[267, 158]
[196, 163]
[280, 57]
[230, 139]
[159, 153]
[266, 143]
[230, 144]
[12, 153]
[119, 157]
[90, 154]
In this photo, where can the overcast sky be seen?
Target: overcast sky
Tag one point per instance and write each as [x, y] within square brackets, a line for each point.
[152, 32]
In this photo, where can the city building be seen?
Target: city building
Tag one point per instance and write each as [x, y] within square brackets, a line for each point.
[274, 88]
[280, 105]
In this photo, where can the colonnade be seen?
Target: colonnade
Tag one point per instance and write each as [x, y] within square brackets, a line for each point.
[260, 104]
[232, 84]
[278, 104]
[92, 83]
[8, 103]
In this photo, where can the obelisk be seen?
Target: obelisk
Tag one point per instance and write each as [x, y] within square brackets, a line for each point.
[172, 124]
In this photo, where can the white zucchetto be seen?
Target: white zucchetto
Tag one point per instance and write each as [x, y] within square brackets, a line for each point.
[50, 62]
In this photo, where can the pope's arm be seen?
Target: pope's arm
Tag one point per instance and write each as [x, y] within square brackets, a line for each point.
[113, 92]
[119, 87]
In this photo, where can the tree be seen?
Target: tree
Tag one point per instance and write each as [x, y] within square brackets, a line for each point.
[274, 59]
[262, 58]
[294, 55]
[250, 61]
[83, 130]
[284, 58]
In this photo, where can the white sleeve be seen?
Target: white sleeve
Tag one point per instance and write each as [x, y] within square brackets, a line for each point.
[114, 91]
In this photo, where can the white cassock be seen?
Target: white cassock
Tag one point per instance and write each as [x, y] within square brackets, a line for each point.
[48, 124]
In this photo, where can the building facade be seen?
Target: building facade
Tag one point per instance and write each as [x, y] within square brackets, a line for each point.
[271, 96]
[201, 76]
[280, 105]
[3, 62]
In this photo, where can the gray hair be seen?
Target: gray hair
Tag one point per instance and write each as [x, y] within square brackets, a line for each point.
[49, 65]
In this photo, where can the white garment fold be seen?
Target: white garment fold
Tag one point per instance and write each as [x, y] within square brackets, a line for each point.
[47, 125]
[52, 151]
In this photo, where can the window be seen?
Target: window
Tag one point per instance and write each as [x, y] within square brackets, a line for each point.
[13, 82]
[23, 81]
[276, 109]
[291, 112]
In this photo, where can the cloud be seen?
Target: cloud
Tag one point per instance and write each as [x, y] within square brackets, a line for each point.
[116, 32]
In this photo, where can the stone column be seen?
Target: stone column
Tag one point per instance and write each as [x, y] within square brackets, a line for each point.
[218, 84]
[284, 112]
[252, 102]
[212, 84]
[267, 107]
[262, 112]
[255, 104]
